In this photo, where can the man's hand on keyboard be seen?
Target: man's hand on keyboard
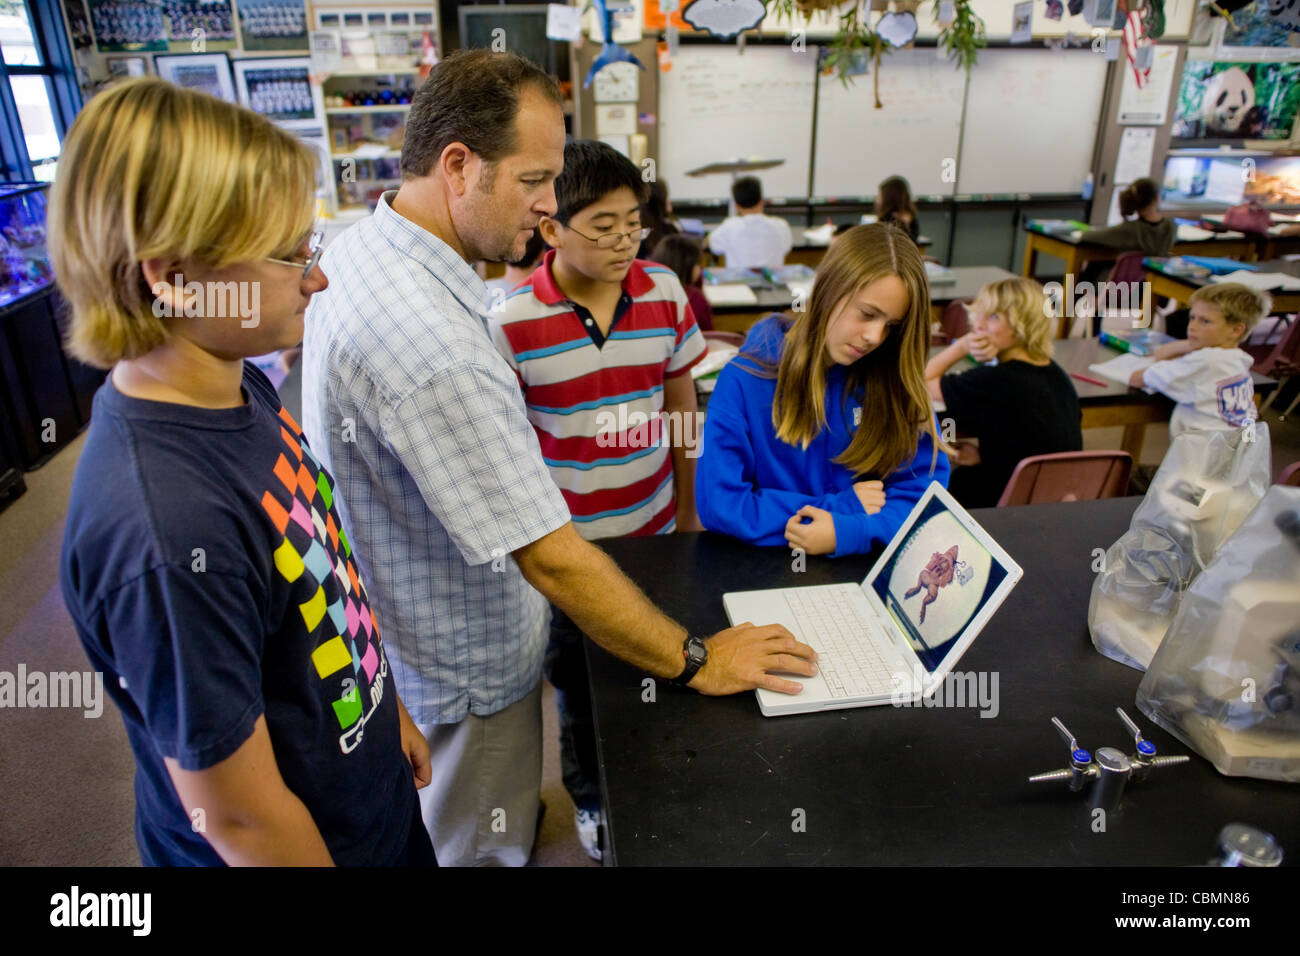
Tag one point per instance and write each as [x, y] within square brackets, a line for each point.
[740, 658]
[815, 537]
[871, 494]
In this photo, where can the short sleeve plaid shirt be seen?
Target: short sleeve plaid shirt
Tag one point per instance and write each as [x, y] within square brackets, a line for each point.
[422, 423]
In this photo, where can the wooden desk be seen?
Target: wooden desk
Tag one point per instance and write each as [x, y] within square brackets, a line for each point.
[1275, 247]
[1180, 288]
[1076, 255]
[1242, 247]
[804, 252]
[1268, 245]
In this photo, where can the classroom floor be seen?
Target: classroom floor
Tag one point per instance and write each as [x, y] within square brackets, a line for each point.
[67, 791]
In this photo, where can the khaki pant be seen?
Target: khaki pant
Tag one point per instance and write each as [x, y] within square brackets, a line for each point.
[481, 806]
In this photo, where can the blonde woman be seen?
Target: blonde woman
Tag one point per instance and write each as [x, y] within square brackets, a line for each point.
[203, 565]
[1023, 405]
[819, 434]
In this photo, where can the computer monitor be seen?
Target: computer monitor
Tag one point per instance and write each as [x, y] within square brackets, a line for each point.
[523, 29]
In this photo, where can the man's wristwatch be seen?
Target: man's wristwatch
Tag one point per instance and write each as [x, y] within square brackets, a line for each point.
[696, 654]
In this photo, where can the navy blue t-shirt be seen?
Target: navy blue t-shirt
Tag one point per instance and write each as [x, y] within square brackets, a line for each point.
[210, 579]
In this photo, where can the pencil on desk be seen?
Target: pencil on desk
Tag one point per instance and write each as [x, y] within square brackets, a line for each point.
[1090, 381]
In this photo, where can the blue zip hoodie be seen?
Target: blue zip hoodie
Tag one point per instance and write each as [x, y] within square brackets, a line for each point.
[749, 482]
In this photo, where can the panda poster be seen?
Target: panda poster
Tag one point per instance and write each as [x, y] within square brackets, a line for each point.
[1223, 102]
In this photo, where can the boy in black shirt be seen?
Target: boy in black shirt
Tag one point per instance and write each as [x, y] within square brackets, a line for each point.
[1023, 404]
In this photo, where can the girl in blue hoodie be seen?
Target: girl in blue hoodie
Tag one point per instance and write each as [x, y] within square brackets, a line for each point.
[820, 434]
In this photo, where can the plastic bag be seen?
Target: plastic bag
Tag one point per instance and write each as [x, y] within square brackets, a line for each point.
[1207, 484]
[1226, 680]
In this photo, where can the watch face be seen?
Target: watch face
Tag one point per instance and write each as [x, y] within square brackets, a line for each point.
[696, 651]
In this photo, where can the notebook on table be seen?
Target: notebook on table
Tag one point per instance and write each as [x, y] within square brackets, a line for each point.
[895, 636]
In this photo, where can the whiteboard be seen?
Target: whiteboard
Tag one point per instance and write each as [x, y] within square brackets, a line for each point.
[915, 131]
[1031, 121]
[718, 105]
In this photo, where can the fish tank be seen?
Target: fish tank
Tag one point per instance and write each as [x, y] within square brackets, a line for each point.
[24, 262]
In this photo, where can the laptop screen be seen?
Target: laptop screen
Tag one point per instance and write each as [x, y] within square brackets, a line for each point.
[936, 581]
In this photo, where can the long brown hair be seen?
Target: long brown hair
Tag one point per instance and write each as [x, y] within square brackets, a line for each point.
[894, 203]
[1137, 196]
[895, 404]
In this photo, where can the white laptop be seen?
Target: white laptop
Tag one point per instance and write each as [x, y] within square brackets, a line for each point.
[896, 636]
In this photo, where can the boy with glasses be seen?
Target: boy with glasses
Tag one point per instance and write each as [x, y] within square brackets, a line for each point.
[204, 565]
[603, 343]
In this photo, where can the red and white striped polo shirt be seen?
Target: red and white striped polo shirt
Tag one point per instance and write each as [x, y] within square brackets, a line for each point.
[597, 409]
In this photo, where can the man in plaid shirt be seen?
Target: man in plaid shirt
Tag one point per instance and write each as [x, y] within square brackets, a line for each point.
[445, 496]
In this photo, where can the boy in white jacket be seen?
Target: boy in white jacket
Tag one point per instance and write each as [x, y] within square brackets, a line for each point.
[1207, 374]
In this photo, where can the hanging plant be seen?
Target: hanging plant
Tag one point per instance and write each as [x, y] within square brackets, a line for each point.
[854, 42]
[964, 36]
[854, 38]
[1153, 19]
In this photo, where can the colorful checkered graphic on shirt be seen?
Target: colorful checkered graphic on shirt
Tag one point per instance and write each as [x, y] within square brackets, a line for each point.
[314, 554]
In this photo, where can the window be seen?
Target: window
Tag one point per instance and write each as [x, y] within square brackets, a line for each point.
[38, 92]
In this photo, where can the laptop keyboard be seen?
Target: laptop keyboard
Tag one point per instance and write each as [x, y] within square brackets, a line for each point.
[843, 638]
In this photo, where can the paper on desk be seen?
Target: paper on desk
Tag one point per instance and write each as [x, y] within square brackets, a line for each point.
[718, 355]
[800, 288]
[820, 234]
[1263, 281]
[1193, 233]
[730, 294]
[937, 274]
[1119, 369]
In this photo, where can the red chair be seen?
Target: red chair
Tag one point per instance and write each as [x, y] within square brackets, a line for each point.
[1128, 270]
[953, 323]
[1068, 476]
[1290, 475]
[1283, 363]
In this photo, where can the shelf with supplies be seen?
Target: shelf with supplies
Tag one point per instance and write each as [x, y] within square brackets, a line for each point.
[367, 61]
[366, 113]
[352, 74]
[361, 154]
[393, 108]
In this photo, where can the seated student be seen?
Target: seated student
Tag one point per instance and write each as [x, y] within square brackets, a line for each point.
[1024, 405]
[681, 253]
[203, 565]
[894, 204]
[820, 433]
[1206, 373]
[1144, 230]
[750, 239]
[516, 272]
[636, 341]
[657, 216]
[1149, 232]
